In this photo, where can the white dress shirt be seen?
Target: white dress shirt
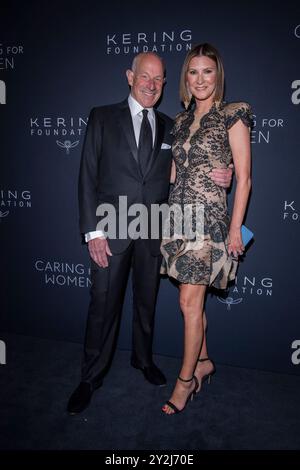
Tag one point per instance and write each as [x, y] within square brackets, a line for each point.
[137, 116]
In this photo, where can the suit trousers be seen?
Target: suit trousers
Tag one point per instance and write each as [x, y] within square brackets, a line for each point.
[106, 303]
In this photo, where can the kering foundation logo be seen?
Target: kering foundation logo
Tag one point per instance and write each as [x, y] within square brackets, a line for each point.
[290, 211]
[59, 127]
[118, 43]
[63, 274]
[245, 286]
[67, 145]
[3, 214]
[11, 199]
[8, 56]
[229, 301]
[263, 127]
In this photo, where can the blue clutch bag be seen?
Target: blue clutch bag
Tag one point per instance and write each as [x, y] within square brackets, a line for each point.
[247, 235]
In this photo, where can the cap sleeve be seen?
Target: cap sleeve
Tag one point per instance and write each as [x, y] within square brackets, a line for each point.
[236, 111]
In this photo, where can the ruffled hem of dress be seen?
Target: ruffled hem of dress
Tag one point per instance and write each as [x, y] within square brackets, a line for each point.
[221, 270]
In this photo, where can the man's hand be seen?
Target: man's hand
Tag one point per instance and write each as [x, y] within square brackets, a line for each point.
[99, 249]
[222, 176]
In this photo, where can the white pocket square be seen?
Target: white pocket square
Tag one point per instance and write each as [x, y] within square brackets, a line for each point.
[165, 146]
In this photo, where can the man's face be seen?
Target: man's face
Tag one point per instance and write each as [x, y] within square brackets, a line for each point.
[147, 80]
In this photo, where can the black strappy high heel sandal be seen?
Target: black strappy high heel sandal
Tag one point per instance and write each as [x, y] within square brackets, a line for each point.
[189, 398]
[206, 377]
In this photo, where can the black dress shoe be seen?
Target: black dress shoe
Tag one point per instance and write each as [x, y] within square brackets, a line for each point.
[80, 398]
[152, 374]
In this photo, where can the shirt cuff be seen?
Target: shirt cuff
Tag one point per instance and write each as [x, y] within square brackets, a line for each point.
[91, 235]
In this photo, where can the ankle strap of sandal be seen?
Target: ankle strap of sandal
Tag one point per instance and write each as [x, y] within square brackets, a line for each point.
[203, 359]
[185, 380]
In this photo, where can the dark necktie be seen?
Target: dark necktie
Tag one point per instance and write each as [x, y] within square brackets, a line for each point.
[145, 143]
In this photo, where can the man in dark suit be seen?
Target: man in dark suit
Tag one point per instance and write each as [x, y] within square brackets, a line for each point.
[127, 152]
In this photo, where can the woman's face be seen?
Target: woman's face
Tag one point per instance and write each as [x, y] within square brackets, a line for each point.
[201, 78]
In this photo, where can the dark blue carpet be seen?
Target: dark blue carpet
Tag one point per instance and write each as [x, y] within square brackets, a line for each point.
[241, 409]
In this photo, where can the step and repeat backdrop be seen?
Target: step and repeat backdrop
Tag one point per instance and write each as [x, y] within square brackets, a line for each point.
[57, 61]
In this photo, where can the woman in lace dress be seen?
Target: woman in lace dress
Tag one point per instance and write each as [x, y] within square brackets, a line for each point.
[209, 134]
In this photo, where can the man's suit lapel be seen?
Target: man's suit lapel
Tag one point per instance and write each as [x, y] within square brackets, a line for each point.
[127, 125]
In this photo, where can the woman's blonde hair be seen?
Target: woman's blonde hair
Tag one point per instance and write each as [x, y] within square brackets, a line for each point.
[206, 50]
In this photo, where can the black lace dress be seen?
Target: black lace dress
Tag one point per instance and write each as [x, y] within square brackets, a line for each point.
[197, 149]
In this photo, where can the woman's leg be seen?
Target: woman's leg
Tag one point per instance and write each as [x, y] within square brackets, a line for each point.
[191, 299]
[205, 367]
